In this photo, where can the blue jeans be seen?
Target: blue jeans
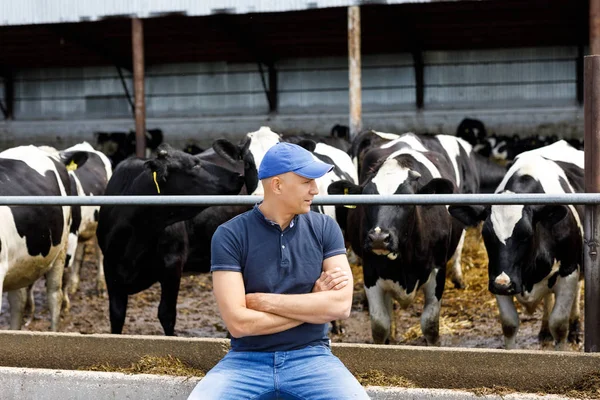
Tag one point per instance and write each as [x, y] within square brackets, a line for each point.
[311, 373]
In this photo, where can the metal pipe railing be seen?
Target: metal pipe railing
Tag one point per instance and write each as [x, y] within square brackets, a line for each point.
[420, 199]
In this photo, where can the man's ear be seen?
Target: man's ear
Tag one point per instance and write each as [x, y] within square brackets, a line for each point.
[274, 184]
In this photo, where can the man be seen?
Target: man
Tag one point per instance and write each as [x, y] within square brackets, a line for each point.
[280, 275]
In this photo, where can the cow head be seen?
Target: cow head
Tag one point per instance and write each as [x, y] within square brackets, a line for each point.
[258, 143]
[177, 173]
[239, 157]
[515, 237]
[471, 130]
[388, 229]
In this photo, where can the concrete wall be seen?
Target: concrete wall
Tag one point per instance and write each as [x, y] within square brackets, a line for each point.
[562, 121]
[448, 368]
[35, 384]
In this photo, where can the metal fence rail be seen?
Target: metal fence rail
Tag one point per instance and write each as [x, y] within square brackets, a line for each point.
[421, 199]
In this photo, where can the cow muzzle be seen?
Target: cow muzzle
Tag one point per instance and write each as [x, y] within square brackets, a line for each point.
[379, 242]
[503, 285]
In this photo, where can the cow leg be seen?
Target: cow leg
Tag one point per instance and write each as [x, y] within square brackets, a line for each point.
[545, 336]
[565, 289]
[100, 279]
[353, 258]
[117, 306]
[430, 318]
[30, 304]
[381, 312]
[509, 318]
[337, 327]
[167, 309]
[17, 299]
[455, 270]
[54, 281]
[75, 268]
[574, 319]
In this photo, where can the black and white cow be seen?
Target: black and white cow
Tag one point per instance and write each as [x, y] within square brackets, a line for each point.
[147, 244]
[255, 145]
[88, 180]
[366, 141]
[471, 171]
[404, 248]
[33, 239]
[535, 251]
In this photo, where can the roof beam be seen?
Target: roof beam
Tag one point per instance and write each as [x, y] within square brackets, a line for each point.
[244, 38]
[65, 32]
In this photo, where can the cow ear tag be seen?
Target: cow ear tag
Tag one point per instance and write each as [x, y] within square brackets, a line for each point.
[156, 182]
[345, 193]
[72, 166]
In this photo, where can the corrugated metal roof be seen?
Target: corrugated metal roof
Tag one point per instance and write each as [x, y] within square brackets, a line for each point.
[26, 12]
[273, 36]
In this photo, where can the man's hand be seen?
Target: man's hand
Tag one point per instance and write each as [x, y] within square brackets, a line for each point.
[331, 280]
[254, 301]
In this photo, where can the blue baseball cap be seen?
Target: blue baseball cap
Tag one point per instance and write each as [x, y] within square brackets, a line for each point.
[288, 157]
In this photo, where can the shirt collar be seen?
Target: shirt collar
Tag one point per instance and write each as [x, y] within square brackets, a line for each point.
[267, 221]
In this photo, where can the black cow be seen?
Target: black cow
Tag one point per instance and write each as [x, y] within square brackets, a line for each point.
[404, 248]
[33, 239]
[471, 130]
[202, 227]
[535, 251]
[193, 149]
[147, 244]
[120, 145]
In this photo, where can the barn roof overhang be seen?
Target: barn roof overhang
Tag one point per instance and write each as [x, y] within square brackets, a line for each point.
[268, 37]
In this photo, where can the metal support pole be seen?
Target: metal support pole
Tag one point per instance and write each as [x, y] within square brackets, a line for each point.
[354, 69]
[9, 94]
[591, 261]
[273, 96]
[137, 36]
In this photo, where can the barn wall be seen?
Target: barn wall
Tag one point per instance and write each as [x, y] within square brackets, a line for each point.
[529, 90]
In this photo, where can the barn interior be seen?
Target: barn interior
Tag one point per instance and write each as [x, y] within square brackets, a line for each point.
[425, 67]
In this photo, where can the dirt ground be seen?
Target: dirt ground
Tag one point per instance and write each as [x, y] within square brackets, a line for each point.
[469, 317]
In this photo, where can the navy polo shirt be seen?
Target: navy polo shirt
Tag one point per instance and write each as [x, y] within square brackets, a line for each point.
[276, 261]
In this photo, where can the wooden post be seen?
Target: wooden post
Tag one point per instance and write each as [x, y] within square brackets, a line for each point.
[594, 27]
[591, 259]
[137, 36]
[354, 71]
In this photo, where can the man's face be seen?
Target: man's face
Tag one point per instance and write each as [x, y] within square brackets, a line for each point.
[297, 192]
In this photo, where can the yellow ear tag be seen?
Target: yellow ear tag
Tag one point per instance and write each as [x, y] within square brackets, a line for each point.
[156, 182]
[72, 166]
[345, 193]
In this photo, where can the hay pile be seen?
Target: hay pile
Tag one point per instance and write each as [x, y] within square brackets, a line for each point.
[153, 365]
[379, 378]
[586, 388]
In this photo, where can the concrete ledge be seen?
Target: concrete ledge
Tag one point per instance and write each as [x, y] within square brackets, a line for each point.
[34, 384]
[449, 368]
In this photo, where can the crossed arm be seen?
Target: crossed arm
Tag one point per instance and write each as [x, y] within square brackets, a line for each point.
[267, 313]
